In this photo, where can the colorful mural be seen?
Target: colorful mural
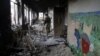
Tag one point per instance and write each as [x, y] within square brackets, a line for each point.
[90, 19]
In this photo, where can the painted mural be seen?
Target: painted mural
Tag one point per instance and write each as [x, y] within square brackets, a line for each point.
[89, 20]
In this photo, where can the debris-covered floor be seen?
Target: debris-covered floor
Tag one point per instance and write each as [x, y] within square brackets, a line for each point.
[42, 47]
[36, 43]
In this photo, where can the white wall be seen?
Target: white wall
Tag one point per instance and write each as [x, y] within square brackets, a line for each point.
[84, 6]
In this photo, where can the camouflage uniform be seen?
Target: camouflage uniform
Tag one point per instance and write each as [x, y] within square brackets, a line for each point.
[47, 22]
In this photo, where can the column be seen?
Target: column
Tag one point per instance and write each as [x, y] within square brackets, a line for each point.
[59, 17]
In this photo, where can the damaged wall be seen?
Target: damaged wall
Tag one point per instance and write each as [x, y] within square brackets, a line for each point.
[84, 6]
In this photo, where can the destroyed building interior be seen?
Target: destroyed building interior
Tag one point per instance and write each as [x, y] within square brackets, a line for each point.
[46, 27]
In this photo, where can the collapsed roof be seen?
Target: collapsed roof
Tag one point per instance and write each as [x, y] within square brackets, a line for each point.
[42, 5]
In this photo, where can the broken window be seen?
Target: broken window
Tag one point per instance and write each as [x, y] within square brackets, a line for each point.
[14, 12]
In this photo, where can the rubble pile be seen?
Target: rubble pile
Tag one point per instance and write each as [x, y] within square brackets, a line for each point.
[37, 43]
[59, 50]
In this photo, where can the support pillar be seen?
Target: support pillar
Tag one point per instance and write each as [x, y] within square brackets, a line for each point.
[29, 15]
[19, 11]
[37, 15]
[23, 18]
[59, 17]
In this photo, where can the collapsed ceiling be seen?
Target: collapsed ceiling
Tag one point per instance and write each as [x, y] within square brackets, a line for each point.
[42, 5]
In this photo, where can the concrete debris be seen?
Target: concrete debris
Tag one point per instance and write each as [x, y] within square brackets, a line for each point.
[54, 41]
[38, 27]
[37, 43]
[60, 50]
[43, 46]
[43, 40]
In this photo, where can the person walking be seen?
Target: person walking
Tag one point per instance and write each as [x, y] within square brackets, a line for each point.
[47, 22]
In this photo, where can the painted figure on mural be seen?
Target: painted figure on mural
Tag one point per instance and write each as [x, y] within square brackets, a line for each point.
[85, 43]
[77, 35]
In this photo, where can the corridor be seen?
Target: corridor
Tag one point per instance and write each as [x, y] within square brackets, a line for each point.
[49, 28]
